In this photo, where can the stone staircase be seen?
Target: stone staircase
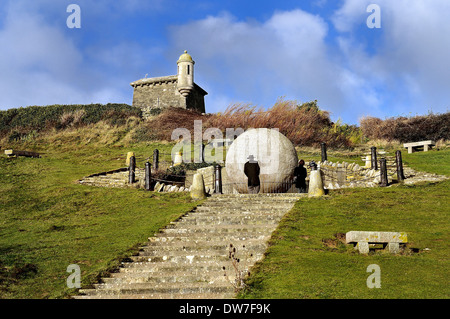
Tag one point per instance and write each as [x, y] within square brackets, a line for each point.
[193, 257]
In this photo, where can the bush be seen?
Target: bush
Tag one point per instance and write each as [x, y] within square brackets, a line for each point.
[303, 124]
[16, 123]
[161, 126]
[404, 129]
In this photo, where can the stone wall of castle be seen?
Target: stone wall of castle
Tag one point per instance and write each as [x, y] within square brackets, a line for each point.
[196, 100]
[158, 95]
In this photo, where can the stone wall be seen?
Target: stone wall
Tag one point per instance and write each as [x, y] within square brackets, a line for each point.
[157, 95]
[196, 99]
[162, 93]
[115, 178]
[208, 177]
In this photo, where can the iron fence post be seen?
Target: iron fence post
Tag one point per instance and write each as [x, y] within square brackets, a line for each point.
[373, 152]
[218, 179]
[132, 170]
[383, 173]
[148, 175]
[398, 161]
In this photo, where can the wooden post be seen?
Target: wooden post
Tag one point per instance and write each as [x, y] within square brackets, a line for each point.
[156, 159]
[132, 170]
[383, 173]
[148, 175]
[323, 148]
[218, 179]
[373, 151]
[398, 161]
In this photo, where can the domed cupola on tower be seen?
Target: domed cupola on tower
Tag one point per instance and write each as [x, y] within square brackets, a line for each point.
[185, 74]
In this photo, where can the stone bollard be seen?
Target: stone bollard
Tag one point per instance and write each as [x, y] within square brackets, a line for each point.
[368, 162]
[178, 159]
[129, 155]
[315, 184]
[198, 187]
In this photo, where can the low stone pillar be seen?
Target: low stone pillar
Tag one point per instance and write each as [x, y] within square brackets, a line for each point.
[341, 174]
[368, 162]
[198, 187]
[315, 184]
[178, 159]
[129, 155]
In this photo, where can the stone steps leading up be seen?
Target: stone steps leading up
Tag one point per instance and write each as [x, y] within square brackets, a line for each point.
[190, 258]
[209, 295]
[172, 277]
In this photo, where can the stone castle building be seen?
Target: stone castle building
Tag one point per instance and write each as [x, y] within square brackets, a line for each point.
[178, 90]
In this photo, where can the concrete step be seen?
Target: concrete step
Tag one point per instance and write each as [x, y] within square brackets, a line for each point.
[204, 248]
[239, 210]
[150, 289]
[195, 258]
[192, 230]
[227, 220]
[227, 295]
[219, 283]
[171, 267]
[230, 238]
[250, 206]
[177, 276]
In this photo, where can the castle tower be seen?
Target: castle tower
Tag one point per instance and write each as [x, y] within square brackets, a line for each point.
[152, 95]
[185, 83]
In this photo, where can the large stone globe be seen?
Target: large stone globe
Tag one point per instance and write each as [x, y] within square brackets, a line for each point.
[274, 153]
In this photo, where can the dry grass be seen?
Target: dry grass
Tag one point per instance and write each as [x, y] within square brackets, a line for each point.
[307, 126]
[407, 129]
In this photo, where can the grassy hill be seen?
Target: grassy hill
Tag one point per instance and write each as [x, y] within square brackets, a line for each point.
[48, 222]
[307, 257]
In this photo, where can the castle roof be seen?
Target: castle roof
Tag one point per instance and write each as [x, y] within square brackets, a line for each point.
[185, 57]
[161, 79]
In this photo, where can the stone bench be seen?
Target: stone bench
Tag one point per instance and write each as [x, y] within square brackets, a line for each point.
[413, 145]
[12, 153]
[362, 239]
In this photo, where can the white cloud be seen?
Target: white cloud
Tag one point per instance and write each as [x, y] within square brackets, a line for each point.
[259, 62]
[42, 65]
[399, 70]
[409, 60]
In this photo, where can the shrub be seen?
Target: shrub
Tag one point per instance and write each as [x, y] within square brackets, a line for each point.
[303, 124]
[404, 129]
[21, 121]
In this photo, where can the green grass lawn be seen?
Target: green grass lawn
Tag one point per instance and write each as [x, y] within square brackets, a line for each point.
[306, 259]
[48, 221]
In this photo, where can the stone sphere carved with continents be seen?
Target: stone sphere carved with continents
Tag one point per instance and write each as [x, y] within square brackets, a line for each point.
[274, 153]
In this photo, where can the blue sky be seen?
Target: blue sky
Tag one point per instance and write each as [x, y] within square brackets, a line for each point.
[245, 52]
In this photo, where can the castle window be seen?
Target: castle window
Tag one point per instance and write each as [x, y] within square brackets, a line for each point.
[188, 69]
